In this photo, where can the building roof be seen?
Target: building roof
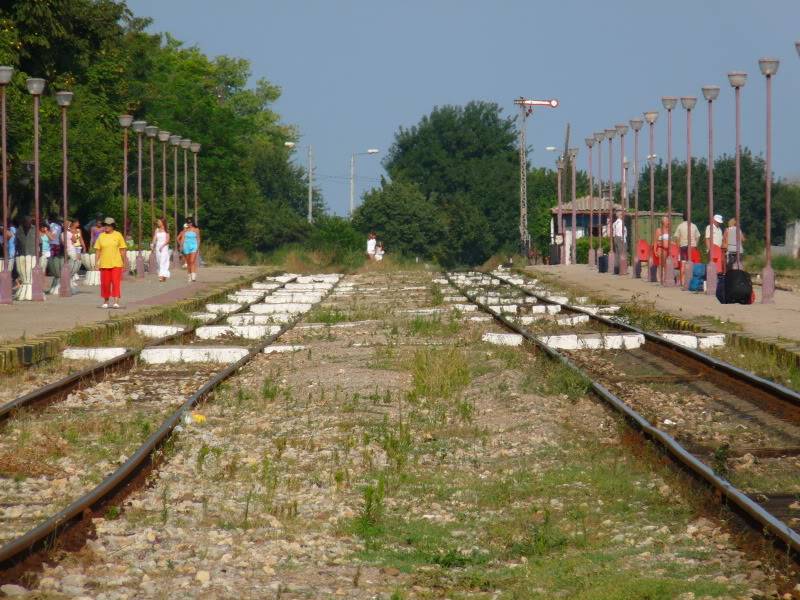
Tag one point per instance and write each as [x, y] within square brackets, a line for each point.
[582, 206]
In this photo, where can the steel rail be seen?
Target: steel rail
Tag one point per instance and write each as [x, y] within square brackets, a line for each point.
[738, 498]
[19, 548]
[94, 373]
[770, 387]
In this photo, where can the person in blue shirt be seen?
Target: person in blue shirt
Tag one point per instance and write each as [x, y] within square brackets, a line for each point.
[189, 243]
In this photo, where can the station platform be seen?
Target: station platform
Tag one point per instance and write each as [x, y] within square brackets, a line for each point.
[777, 321]
[30, 319]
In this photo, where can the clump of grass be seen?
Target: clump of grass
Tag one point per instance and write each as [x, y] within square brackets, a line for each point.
[438, 373]
[437, 298]
[423, 326]
[329, 316]
[555, 379]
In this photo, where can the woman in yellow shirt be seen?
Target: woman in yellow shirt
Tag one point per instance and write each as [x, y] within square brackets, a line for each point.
[110, 247]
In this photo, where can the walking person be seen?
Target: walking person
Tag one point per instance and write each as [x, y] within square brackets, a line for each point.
[76, 247]
[731, 247]
[661, 246]
[110, 247]
[161, 248]
[189, 241]
[620, 235]
[372, 241]
[25, 244]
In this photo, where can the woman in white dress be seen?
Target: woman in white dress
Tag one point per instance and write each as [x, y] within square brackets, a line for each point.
[161, 248]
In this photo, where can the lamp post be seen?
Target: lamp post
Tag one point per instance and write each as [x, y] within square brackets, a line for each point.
[651, 117]
[573, 155]
[64, 99]
[310, 173]
[612, 255]
[769, 67]
[636, 125]
[688, 103]
[370, 151]
[195, 148]
[599, 137]
[174, 141]
[185, 143]
[151, 131]
[622, 129]
[559, 213]
[163, 137]
[669, 103]
[6, 294]
[711, 93]
[125, 122]
[139, 127]
[737, 79]
[35, 87]
[589, 141]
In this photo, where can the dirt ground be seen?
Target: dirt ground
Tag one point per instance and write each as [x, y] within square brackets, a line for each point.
[778, 320]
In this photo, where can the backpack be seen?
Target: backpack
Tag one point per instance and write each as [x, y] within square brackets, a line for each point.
[738, 287]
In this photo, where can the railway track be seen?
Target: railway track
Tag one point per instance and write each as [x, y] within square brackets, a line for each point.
[76, 457]
[737, 432]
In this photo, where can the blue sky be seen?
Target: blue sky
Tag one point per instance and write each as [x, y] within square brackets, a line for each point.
[353, 71]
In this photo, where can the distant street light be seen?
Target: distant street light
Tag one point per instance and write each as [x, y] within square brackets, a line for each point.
[589, 141]
[369, 151]
[573, 156]
[612, 255]
[175, 141]
[651, 117]
[688, 103]
[737, 79]
[151, 131]
[35, 87]
[598, 138]
[6, 291]
[711, 93]
[185, 144]
[769, 67]
[139, 127]
[64, 99]
[668, 277]
[622, 129]
[310, 173]
[559, 213]
[163, 137]
[636, 125]
[195, 148]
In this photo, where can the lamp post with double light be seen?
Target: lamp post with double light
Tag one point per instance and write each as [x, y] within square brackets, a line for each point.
[369, 152]
[138, 128]
[651, 117]
[769, 67]
[589, 141]
[737, 79]
[64, 99]
[175, 141]
[573, 156]
[636, 125]
[195, 148]
[6, 285]
[163, 137]
[35, 87]
[185, 144]
[711, 93]
[622, 130]
[668, 277]
[612, 255]
[598, 138]
[688, 103]
[152, 131]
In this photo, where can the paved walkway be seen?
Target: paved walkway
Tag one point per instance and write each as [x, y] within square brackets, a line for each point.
[57, 314]
[778, 320]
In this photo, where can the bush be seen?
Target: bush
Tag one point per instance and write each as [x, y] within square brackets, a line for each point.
[582, 248]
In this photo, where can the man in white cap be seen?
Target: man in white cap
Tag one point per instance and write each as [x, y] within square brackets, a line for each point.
[716, 239]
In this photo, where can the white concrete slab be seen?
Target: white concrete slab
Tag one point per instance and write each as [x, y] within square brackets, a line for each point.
[204, 317]
[695, 340]
[503, 308]
[425, 311]
[98, 354]
[284, 348]
[253, 319]
[601, 310]
[280, 308]
[454, 298]
[593, 341]
[304, 298]
[267, 286]
[183, 354]
[158, 331]
[249, 332]
[223, 309]
[481, 318]
[503, 339]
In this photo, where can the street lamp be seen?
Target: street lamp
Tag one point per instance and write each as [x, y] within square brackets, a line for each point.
[688, 103]
[151, 131]
[737, 79]
[769, 67]
[651, 117]
[711, 93]
[668, 273]
[35, 87]
[6, 293]
[589, 141]
[310, 173]
[622, 129]
[195, 148]
[163, 137]
[353, 175]
[185, 143]
[598, 138]
[139, 127]
[573, 155]
[559, 213]
[174, 141]
[636, 125]
[125, 121]
[612, 255]
[64, 99]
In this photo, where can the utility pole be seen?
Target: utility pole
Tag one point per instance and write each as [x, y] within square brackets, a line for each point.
[310, 184]
[525, 110]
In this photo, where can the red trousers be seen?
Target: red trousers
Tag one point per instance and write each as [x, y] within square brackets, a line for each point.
[111, 283]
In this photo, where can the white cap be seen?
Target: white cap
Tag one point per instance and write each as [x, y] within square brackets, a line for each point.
[718, 218]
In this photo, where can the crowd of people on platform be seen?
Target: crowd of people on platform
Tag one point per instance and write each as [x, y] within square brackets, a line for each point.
[63, 241]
